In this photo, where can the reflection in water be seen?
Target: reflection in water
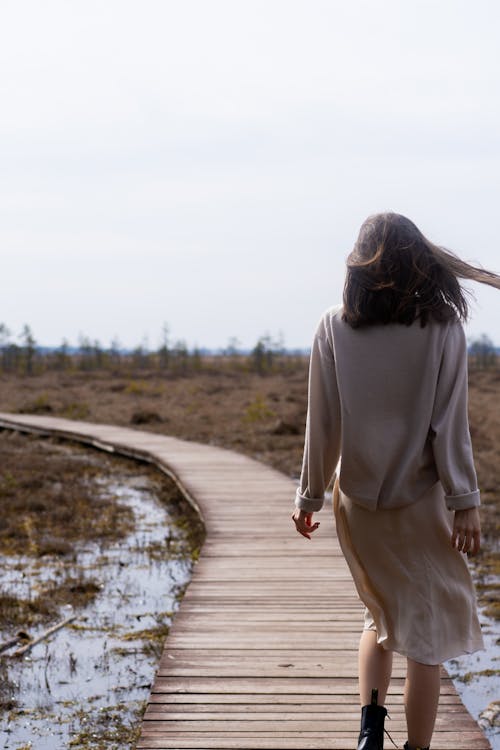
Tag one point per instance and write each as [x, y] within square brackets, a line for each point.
[91, 678]
[476, 678]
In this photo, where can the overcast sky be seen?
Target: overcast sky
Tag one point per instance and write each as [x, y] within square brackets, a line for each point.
[207, 163]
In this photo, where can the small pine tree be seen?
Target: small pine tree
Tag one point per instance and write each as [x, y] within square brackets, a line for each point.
[85, 353]
[114, 353]
[258, 356]
[62, 358]
[29, 349]
[164, 353]
[5, 335]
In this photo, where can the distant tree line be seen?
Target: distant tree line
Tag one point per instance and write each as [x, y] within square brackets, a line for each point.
[22, 355]
[26, 357]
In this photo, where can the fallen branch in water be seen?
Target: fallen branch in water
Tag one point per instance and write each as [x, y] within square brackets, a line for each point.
[28, 646]
[21, 636]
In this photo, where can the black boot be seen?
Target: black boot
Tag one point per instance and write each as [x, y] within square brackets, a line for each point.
[371, 736]
[407, 747]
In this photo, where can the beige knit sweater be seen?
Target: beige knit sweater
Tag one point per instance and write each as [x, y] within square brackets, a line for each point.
[392, 401]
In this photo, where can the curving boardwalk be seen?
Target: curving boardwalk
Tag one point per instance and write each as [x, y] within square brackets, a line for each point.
[262, 653]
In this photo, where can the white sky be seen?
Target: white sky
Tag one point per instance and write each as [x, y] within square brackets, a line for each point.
[207, 163]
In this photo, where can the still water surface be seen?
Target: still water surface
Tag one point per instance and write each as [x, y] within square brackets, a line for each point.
[91, 678]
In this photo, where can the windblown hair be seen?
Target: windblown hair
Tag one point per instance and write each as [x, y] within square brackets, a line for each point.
[396, 275]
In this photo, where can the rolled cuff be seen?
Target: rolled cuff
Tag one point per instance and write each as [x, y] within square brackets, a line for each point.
[309, 504]
[463, 502]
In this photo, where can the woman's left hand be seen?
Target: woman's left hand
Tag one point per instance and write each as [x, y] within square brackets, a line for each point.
[303, 522]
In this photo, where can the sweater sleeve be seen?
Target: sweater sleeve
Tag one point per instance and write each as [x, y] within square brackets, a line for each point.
[450, 427]
[322, 439]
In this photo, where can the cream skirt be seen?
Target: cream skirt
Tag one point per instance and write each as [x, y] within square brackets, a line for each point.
[417, 589]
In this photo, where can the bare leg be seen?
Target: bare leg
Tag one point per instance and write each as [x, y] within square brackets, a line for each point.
[421, 702]
[375, 667]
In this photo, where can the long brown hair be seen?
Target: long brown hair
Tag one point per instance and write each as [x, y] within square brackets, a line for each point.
[396, 275]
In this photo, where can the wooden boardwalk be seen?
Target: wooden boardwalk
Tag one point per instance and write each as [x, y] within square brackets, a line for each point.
[262, 653]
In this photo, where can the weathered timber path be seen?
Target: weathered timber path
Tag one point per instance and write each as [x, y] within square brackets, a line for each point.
[262, 652]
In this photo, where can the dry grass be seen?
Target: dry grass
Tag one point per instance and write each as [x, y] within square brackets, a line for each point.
[262, 416]
[484, 411]
[53, 499]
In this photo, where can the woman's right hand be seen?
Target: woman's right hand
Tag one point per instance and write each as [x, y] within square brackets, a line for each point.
[466, 535]
[304, 523]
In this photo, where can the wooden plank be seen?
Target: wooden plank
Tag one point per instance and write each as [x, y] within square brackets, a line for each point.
[262, 654]
[281, 742]
[319, 685]
[338, 717]
[277, 701]
[230, 726]
[239, 640]
[294, 741]
[342, 726]
[249, 668]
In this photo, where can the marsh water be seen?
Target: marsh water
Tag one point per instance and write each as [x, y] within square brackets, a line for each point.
[85, 686]
[477, 680]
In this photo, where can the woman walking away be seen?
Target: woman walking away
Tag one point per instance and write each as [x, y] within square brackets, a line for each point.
[388, 397]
